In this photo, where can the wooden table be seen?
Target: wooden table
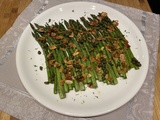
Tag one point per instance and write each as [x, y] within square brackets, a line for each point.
[10, 9]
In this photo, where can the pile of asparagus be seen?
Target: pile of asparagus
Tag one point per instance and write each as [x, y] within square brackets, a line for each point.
[78, 53]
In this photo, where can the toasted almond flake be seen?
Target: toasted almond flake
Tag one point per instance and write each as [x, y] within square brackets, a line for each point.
[76, 52]
[71, 35]
[70, 67]
[92, 58]
[65, 60]
[78, 61]
[98, 60]
[81, 32]
[41, 30]
[84, 75]
[97, 56]
[59, 37]
[52, 47]
[96, 21]
[115, 58]
[61, 69]
[100, 18]
[109, 30]
[51, 27]
[51, 62]
[104, 56]
[98, 70]
[108, 47]
[48, 56]
[106, 76]
[100, 38]
[126, 44]
[69, 82]
[110, 79]
[126, 41]
[42, 38]
[56, 64]
[73, 78]
[103, 14]
[53, 34]
[94, 40]
[125, 69]
[88, 29]
[108, 37]
[72, 45]
[78, 36]
[68, 76]
[93, 23]
[122, 57]
[116, 45]
[93, 32]
[84, 58]
[69, 62]
[89, 75]
[90, 85]
[61, 82]
[116, 38]
[115, 22]
[64, 41]
[63, 49]
[102, 48]
[82, 66]
[89, 68]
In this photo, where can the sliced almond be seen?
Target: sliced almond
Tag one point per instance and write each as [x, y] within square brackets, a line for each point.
[69, 82]
[52, 47]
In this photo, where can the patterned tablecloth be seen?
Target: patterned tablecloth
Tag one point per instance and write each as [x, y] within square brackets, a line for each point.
[15, 100]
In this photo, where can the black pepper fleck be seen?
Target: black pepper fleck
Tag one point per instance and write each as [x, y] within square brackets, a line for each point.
[85, 13]
[39, 52]
[41, 68]
[83, 102]
[96, 96]
[49, 20]
[46, 82]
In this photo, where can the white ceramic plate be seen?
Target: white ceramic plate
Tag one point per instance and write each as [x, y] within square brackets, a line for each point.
[91, 102]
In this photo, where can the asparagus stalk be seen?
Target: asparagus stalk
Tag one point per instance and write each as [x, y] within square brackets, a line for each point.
[119, 34]
[100, 45]
[86, 47]
[77, 72]
[108, 23]
[78, 53]
[45, 52]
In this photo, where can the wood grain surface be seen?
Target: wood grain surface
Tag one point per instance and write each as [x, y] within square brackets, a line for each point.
[10, 9]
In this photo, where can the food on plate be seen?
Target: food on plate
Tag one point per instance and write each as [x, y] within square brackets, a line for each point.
[78, 53]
